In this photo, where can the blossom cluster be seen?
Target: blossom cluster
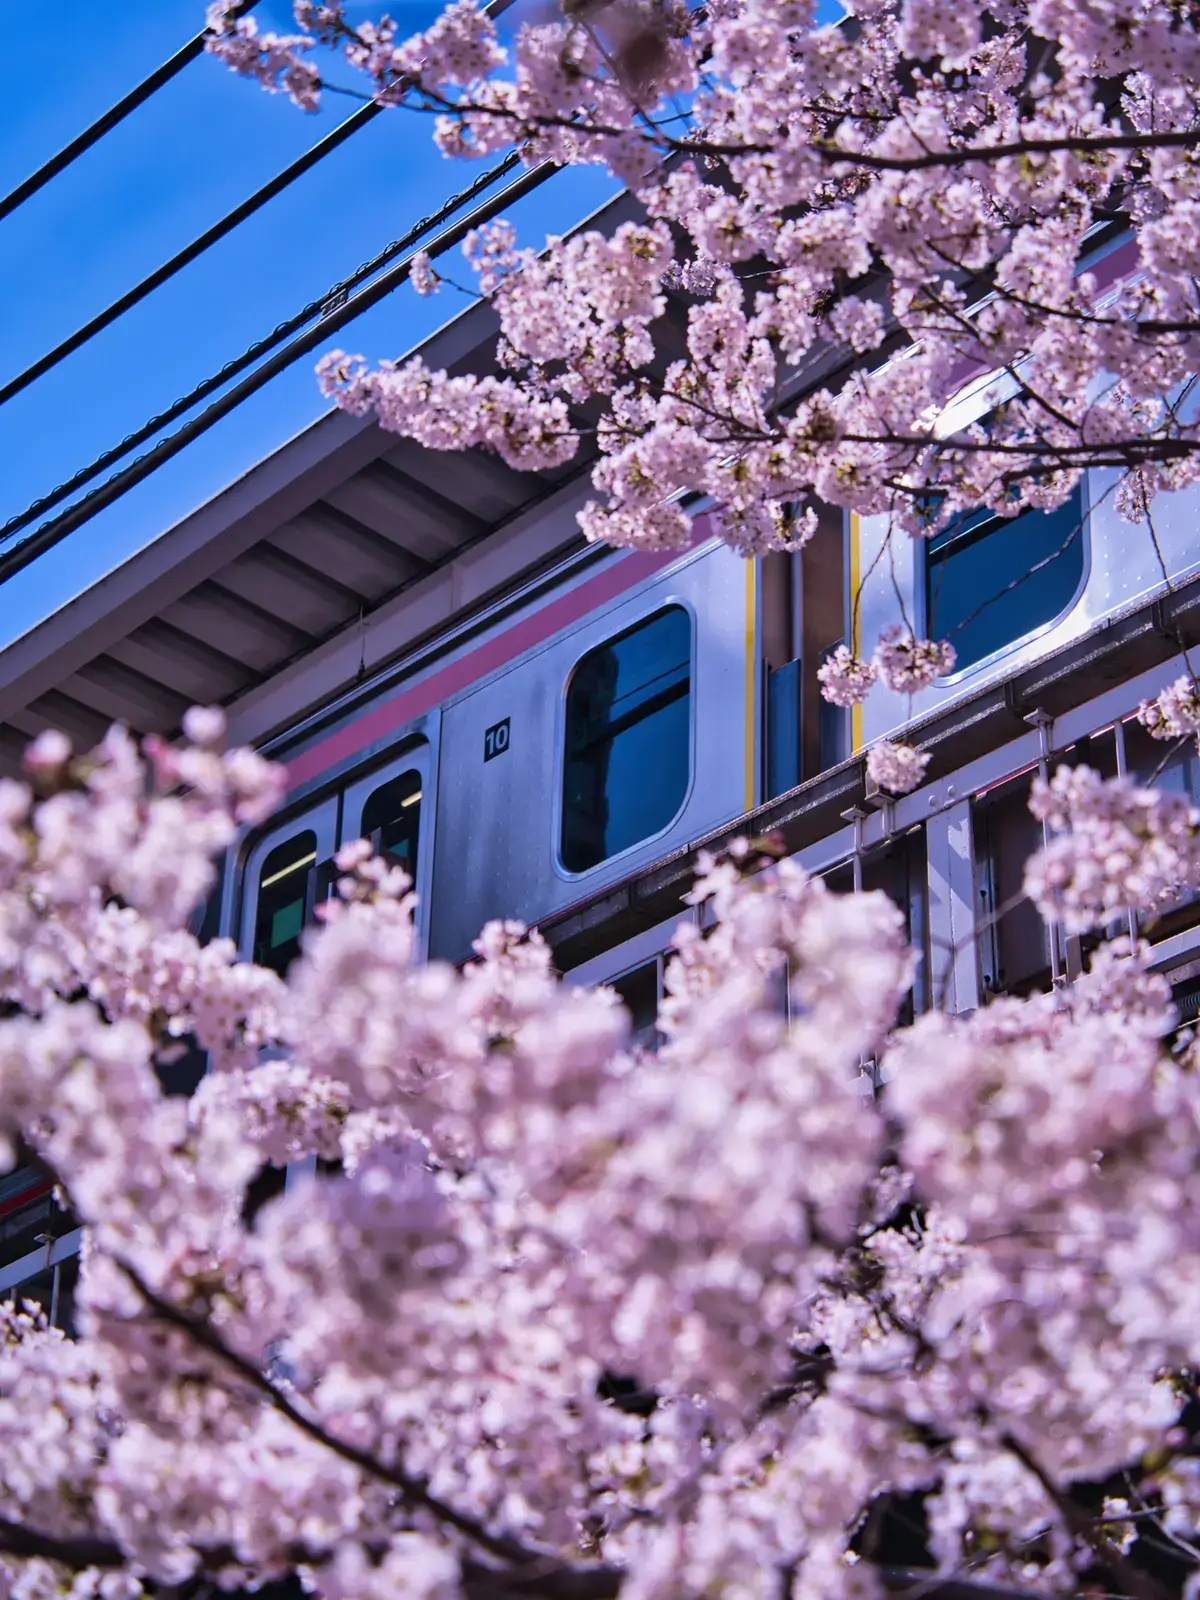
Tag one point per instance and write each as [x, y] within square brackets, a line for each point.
[898, 768]
[279, 63]
[844, 224]
[1113, 847]
[1174, 713]
[666, 1321]
[845, 678]
[907, 664]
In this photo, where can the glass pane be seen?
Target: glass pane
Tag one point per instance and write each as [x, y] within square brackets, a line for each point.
[1014, 947]
[394, 812]
[639, 995]
[1173, 765]
[991, 580]
[28, 1212]
[279, 918]
[628, 740]
[898, 869]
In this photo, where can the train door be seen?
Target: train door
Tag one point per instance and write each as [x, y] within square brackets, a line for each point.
[287, 874]
[393, 808]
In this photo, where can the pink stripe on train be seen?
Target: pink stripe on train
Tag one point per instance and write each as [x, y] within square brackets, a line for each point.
[497, 652]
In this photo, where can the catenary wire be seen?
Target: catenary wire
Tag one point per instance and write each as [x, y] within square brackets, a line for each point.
[115, 114]
[189, 253]
[204, 241]
[326, 307]
[344, 311]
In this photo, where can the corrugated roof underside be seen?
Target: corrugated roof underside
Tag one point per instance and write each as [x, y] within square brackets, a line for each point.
[406, 514]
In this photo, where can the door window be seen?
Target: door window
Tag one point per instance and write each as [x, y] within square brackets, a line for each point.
[391, 819]
[283, 898]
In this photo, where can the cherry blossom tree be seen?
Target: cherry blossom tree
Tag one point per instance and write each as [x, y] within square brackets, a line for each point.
[801, 1303]
[798, 1304]
[858, 217]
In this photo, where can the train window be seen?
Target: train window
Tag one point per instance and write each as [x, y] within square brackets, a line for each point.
[628, 739]
[989, 580]
[639, 991]
[393, 811]
[282, 899]
[29, 1212]
[899, 869]
[1014, 944]
[1174, 767]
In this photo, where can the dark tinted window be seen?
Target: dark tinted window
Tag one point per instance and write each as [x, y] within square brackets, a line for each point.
[898, 868]
[990, 580]
[1014, 945]
[282, 897]
[393, 812]
[628, 739]
[29, 1212]
[639, 994]
[1173, 765]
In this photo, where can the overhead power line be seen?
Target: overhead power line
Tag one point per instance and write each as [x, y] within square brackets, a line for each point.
[202, 242]
[189, 253]
[325, 307]
[340, 307]
[104, 124]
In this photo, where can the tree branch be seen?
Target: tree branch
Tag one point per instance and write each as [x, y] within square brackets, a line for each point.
[414, 1491]
[77, 1553]
[1136, 1583]
[1082, 144]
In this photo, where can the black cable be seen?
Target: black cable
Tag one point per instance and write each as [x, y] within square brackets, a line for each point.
[325, 307]
[52, 532]
[198, 246]
[115, 114]
[203, 241]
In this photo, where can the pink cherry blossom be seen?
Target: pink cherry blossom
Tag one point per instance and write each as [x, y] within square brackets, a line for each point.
[898, 768]
[907, 664]
[968, 1291]
[846, 679]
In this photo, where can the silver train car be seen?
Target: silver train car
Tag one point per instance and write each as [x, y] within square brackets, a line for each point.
[551, 732]
[566, 744]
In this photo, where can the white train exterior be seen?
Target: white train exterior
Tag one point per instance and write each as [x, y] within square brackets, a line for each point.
[552, 732]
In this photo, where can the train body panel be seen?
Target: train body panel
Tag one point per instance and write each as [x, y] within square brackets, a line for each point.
[503, 803]
[472, 752]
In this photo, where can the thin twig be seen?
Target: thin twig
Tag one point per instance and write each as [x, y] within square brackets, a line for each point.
[201, 1331]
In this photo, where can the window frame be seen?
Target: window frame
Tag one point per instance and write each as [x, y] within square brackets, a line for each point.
[320, 819]
[653, 606]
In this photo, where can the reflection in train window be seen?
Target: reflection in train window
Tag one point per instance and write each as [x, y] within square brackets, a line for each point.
[990, 580]
[29, 1210]
[628, 739]
[282, 898]
[391, 819]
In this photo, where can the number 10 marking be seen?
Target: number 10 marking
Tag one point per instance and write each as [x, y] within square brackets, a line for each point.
[495, 740]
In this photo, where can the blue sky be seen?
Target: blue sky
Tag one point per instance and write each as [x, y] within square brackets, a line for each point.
[179, 163]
